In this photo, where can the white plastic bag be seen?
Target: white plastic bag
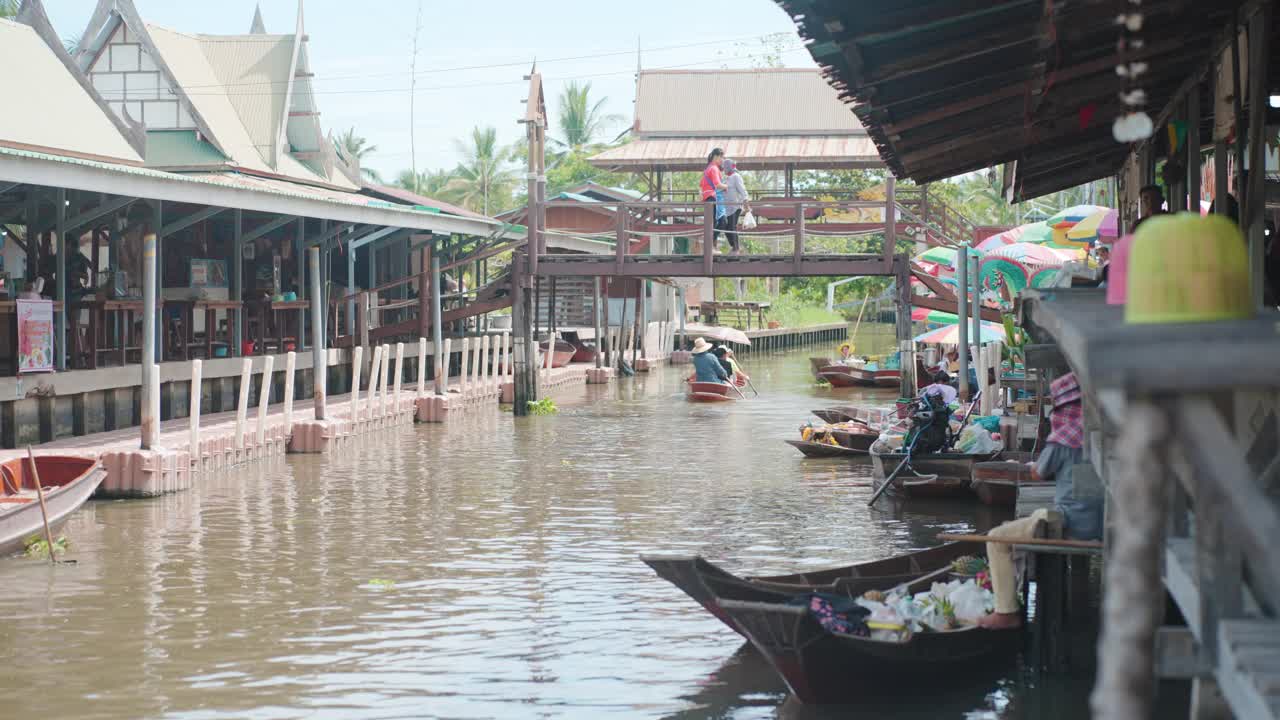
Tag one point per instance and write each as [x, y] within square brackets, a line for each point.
[748, 221]
[976, 439]
[971, 603]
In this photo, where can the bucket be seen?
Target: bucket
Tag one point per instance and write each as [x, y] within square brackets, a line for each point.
[246, 347]
[1187, 268]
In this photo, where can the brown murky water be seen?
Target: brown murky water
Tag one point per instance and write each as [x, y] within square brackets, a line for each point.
[483, 569]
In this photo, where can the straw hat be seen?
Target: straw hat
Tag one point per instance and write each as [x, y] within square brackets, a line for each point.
[700, 346]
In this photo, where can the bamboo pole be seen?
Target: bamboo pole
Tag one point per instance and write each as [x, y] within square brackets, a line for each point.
[44, 511]
[193, 411]
[264, 399]
[357, 357]
[290, 365]
[242, 407]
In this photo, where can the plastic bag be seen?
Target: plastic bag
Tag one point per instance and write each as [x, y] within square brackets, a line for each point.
[976, 440]
[971, 602]
[747, 221]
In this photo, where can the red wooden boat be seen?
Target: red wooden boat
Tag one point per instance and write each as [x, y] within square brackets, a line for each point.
[710, 392]
[563, 355]
[582, 350]
[67, 481]
[838, 375]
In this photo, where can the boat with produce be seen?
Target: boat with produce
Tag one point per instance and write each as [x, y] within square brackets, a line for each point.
[996, 483]
[708, 584]
[850, 439]
[67, 483]
[830, 663]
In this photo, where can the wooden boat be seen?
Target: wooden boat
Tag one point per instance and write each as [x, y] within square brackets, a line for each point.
[886, 378]
[563, 353]
[824, 667]
[997, 483]
[949, 474]
[709, 392]
[67, 481]
[836, 415]
[708, 584]
[583, 351]
[825, 450]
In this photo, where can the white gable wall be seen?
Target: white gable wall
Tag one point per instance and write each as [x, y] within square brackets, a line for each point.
[126, 76]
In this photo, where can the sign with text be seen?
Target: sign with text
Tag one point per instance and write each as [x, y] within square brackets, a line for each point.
[35, 336]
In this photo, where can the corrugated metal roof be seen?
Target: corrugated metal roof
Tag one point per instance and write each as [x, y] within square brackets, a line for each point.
[46, 107]
[411, 198]
[255, 69]
[771, 101]
[825, 151]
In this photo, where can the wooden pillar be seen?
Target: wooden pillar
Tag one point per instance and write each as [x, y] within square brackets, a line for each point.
[60, 248]
[597, 318]
[158, 219]
[906, 356]
[1254, 222]
[437, 331]
[525, 363]
[300, 251]
[1193, 148]
[150, 389]
[962, 326]
[891, 221]
[424, 300]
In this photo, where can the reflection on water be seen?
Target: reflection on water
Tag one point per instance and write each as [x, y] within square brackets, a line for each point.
[483, 569]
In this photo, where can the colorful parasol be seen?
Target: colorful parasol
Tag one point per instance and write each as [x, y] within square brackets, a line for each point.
[943, 256]
[1103, 223]
[1068, 217]
[1032, 253]
[1017, 266]
[933, 317]
[950, 334]
[1036, 232]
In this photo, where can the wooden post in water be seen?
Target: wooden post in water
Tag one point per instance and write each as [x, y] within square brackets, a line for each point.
[264, 399]
[395, 396]
[384, 381]
[319, 365]
[290, 364]
[193, 414]
[477, 386]
[906, 357]
[437, 331]
[422, 367]
[357, 368]
[962, 327]
[485, 359]
[596, 319]
[524, 363]
[150, 405]
[446, 358]
[242, 407]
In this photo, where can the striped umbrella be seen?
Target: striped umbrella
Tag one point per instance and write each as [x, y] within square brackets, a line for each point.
[950, 334]
[945, 256]
[1068, 217]
[933, 317]
[1036, 232]
[1103, 223]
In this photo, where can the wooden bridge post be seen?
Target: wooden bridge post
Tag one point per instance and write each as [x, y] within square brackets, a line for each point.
[906, 357]
[708, 238]
[890, 222]
[437, 330]
[797, 249]
[597, 320]
[620, 240]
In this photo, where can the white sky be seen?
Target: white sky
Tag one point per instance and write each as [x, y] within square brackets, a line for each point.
[361, 53]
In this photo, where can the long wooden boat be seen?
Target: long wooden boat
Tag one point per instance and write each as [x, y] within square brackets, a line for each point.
[563, 353]
[67, 481]
[949, 474]
[825, 667]
[997, 483]
[709, 584]
[886, 378]
[836, 415]
[825, 450]
[709, 392]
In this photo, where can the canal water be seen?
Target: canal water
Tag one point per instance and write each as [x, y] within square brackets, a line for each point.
[483, 569]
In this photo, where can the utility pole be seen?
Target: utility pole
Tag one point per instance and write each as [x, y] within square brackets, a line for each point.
[413, 85]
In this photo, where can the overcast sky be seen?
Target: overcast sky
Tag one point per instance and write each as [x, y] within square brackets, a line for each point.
[361, 53]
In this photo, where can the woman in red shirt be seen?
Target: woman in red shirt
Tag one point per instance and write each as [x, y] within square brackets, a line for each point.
[713, 187]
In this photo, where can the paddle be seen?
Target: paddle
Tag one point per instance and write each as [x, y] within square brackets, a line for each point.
[752, 386]
[44, 511]
[853, 344]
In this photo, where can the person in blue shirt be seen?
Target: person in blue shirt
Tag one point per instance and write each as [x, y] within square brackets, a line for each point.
[706, 364]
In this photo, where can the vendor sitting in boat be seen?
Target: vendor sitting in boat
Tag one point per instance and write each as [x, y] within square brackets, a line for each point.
[1082, 518]
[706, 365]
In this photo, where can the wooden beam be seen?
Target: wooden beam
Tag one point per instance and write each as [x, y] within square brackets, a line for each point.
[81, 219]
[251, 235]
[186, 222]
[941, 305]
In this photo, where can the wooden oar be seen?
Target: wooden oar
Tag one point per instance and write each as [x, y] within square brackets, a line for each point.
[752, 386]
[44, 511]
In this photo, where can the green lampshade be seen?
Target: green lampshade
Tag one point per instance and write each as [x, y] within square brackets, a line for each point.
[1188, 268]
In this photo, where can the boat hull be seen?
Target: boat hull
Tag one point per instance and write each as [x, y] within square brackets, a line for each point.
[825, 450]
[953, 473]
[997, 483]
[708, 584]
[821, 667]
[709, 392]
[68, 483]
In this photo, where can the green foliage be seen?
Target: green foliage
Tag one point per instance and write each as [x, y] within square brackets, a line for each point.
[792, 311]
[545, 406]
[483, 181]
[37, 547]
[581, 120]
[357, 147]
[9, 8]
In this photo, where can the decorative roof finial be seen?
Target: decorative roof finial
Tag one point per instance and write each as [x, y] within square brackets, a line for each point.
[258, 27]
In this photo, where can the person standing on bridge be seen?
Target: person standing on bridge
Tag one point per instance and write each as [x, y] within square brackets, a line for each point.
[737, 202]
[713, 189]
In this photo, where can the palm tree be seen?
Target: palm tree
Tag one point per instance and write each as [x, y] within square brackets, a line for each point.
[432, 183]
[580, 120]
[357, 148]
[483, 177]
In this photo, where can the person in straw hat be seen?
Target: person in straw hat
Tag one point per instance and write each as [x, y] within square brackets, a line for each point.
[706, 365]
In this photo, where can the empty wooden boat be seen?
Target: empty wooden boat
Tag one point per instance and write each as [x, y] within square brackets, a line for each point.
[563, 353]
[67, 482]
